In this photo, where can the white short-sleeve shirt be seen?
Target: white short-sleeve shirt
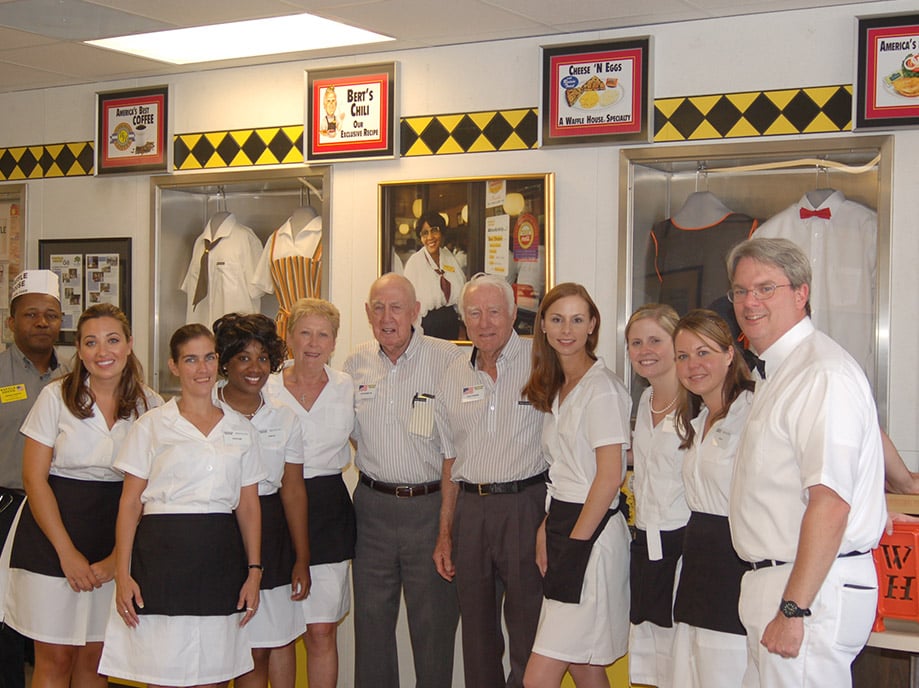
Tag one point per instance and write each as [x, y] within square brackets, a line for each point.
[326, 427]
[82, 449]
[660, 499]
[708, 464]
[594, 414]
[813, 422]
[419, 269]
[280, 440]
[185, 471]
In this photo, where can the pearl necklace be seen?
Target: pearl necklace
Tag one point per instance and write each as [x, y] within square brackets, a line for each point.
[666, 408]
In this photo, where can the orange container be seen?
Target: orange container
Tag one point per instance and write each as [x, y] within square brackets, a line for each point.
[896, 560]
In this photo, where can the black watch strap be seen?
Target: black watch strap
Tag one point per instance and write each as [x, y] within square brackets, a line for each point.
[791, 610]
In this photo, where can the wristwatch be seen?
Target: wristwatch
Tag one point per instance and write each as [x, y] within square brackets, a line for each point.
[792, 610]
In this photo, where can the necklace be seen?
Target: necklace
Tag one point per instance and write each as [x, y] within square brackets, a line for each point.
[666, 408]
[250, 416]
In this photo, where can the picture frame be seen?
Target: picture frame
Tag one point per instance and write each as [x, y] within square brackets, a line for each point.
[356, 122]
[596, 93]
[132, 131]
[887, 72]
[91, 271]
[502, 225]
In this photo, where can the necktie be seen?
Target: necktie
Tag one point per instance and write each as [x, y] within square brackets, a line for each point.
[823, 213]
[201, 286]
[444, 284]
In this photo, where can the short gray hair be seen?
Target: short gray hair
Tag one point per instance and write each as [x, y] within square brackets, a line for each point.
[482, 279]
[781, 253]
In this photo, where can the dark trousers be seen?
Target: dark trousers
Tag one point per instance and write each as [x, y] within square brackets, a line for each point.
[393, 557]
[12, 644]
[494, 551]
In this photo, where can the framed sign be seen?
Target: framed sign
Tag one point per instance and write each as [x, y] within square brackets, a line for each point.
[350, 112]
[596, 92]
[91, 271]
[498, 225]
[887, 82]
[132, 131]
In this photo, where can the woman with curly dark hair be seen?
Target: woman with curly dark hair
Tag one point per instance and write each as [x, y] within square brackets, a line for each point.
[61, 560]
[249, 350]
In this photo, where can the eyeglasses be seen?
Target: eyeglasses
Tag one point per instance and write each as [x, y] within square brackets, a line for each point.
[763, 292]
[429, 231]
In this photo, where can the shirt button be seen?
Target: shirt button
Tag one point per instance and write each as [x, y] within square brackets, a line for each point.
[210, 468]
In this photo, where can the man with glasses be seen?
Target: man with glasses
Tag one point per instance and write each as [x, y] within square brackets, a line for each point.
[27, 365]
[807, 499]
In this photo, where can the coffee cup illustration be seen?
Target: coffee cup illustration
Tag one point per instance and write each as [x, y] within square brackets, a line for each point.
[140, 137]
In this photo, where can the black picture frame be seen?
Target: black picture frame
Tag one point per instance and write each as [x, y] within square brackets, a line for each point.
[60, 254]
[596, 93]
[885, 43]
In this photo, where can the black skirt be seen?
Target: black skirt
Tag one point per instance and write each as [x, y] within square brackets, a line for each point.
[442, 323]
[277, 549]
[651, 582]
[332, 525]
[709, 587]
[88, 511]
[566, 557]
[189, 564]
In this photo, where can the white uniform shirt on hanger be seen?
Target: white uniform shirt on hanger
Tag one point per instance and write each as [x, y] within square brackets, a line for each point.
[230, 266]
[843, 252]
[304, 243]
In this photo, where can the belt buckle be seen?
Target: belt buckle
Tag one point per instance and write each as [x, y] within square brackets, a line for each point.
[404, 491]
[484, 489]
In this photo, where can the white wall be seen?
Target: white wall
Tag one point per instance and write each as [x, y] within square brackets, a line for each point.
[783, 50]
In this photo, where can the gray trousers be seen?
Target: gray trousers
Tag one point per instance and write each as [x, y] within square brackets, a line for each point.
[395, 541]
[494, 551]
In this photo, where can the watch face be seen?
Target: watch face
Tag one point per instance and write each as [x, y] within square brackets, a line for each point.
[792, 610]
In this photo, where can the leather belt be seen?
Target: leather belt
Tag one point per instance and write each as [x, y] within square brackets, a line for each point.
[512, 487]
[395, 490]
[766, 563]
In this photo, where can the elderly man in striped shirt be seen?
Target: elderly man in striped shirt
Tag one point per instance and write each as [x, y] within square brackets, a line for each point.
[397, 500]
[494, 487]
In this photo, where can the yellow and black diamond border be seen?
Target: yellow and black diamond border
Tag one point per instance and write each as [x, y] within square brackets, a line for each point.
[813, 110]
[809, 110]
[47, 161]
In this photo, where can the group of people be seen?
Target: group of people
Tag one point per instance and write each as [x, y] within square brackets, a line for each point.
[757, 503]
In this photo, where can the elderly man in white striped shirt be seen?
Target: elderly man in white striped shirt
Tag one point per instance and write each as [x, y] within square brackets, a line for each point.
[397, 500]
[494, 487]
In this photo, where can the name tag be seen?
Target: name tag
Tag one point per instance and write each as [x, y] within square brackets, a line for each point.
[449, 268]
[720, 437]
[13, 393]
[473, 393]
[272, 434]
[366, 391]
[237, 438]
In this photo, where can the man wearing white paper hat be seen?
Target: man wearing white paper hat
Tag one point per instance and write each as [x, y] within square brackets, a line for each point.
[27, 365]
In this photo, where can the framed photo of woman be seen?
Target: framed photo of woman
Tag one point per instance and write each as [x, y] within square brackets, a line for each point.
[440, 232]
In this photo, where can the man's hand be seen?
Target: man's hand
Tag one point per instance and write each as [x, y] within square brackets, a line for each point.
[443, 557]
[783, 636]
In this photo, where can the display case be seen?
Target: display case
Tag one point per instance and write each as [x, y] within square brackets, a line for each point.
[757, 181]
[184, 205]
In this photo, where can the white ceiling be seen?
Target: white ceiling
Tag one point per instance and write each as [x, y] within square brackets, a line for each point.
[40, 40]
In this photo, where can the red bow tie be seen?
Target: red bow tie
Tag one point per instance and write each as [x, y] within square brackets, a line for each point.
[823, 213]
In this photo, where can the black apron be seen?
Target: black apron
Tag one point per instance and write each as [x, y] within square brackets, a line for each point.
[651, 582]
[332, 525]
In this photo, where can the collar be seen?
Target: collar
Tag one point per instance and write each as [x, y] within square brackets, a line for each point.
[314, 225]
[52, 364]
[227, 226]
[833, 202]
[509, 351]
[776, 354]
